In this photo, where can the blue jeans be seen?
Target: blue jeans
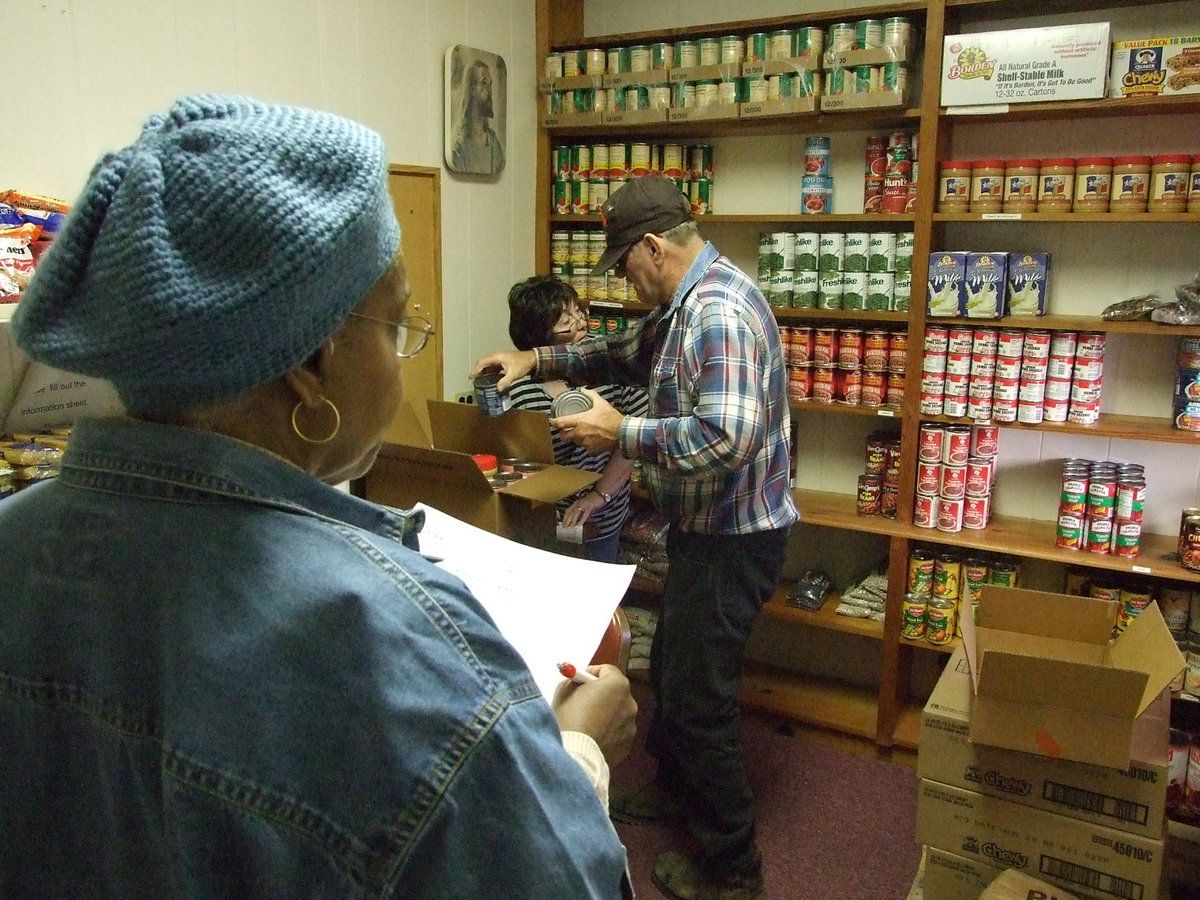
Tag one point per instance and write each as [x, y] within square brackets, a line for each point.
[601, 549]
[715, 587]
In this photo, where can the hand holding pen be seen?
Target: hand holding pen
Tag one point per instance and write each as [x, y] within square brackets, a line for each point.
[600, 705]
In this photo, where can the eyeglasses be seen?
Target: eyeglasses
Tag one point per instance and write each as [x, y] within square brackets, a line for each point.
[411, 333]
[619, 268]
[576, 316]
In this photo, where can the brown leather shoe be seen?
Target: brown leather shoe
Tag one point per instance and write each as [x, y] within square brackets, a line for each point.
[682, 878]
[643, 803]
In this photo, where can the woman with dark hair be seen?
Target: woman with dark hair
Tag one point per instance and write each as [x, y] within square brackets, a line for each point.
[543, 310]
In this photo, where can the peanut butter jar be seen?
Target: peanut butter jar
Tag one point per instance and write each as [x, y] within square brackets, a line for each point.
[1093, 184]
[1056, 184]
[1169, 178]
[1131, 184]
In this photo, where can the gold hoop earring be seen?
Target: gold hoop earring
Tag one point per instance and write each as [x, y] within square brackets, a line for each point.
[337, 423]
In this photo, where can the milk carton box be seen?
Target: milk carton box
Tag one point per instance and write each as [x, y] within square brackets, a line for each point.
[947, 273]
[1025, 293]
[984, 280]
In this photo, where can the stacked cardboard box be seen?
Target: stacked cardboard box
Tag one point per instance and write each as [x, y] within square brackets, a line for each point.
[1043, 749]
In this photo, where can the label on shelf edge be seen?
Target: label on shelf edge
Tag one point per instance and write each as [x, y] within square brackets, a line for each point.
[999, 216]
[990, 109]
[885, 412]
[1141, 570]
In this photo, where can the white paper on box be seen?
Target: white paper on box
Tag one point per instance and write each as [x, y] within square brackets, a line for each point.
[1025, 65]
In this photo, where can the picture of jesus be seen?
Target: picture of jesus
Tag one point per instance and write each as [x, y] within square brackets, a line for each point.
[475, 111]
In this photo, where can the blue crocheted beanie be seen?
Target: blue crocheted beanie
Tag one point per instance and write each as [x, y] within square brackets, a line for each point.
[214, 254]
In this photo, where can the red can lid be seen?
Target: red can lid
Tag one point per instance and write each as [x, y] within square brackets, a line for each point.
[1058, 161]
[486, 461]
[1196, 158]
[1172, 158]
[1094, 161]
[1023, 163]
[956, 164]
[1131, 160]
[988, 164]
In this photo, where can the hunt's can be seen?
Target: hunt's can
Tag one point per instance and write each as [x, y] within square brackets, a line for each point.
[940, 620]
[920, 573]
[912, 623]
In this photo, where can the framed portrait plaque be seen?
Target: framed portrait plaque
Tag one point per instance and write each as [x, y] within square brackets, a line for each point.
[476, 111]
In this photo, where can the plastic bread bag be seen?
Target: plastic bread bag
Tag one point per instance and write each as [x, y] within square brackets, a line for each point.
[1184, 309]
[1133, 308]
[811, 591]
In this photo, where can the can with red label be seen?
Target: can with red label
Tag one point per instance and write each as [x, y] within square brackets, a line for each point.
[1035, 369]
[1058, 388]
[889, 502]
[873, 388]
[979, 476]
[976, 512]
[1064, 343]
[1060, 367]
[897, 351]
[1090, 346]
[979, 408]
[1009, 343]
[958, 363]
[985, 341]
[822, 384]
[1131, 499]
[934, 363]
[949, 515]
[1102, 496]
[870, 489]
[825, 346]
[1085, 391]
[960, 340]
[1004, 410]
[1098, 535]
[1069, 533]
[799, 383]
[985, 440]
[937, 339]
[952, 483]
[875, 350]
[1088, 370]
[983, 365]
[1189, 545]
[895, 389]
[931, 402]
[956, 445]
[1030, 412]
[847, 386]
[925, 510]
[800, 349]
[1083, 412]
[1055, 410]
[1037, 345]
[850, 348]
[929, 477]
[1126, 539]
[929, 442]
[876, 456]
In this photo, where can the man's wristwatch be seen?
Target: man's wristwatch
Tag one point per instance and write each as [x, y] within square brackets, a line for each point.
[607, 497]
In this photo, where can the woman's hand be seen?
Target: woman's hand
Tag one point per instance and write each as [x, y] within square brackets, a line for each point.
[603, 709]
[581, 510]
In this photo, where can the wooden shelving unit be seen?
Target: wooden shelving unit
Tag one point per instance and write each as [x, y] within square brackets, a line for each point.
[887, 714]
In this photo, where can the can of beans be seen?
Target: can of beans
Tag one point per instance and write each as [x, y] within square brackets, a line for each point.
[895, 389]
[956, 445]
[929, 444]
[822, 384]
[825, 346]
[870, 489]
[873, 388]
[799, 383]
[801, 347]
[1189, 544]
[952, 483]
[875, 350]
[850, 347]
[985, 440]
[897, 351]
[977, 511]
[950, 515]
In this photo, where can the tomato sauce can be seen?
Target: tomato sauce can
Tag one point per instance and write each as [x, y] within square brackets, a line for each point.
[1098, 535]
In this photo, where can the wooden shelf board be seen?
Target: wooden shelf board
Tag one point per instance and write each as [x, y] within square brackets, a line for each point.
[1106, 107]
[740, 126]
[841, 511]
[1078, 218]
[1132, 428]
[1073, 323]
[863, 316]
[839, 408]
[806, 698]
[825, 617]
[900, 220]
[922, 644]
[907, 732]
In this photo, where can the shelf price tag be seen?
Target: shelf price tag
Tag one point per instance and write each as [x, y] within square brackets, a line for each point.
[885, 412]
[1141, 570]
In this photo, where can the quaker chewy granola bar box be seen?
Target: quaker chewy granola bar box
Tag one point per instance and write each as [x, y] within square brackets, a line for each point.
[1155, 67]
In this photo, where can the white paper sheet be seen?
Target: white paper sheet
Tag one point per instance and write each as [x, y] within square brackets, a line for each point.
[551, 608]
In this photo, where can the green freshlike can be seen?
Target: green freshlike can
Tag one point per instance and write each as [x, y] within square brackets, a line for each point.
[806, 288]
[756, 47]
[808, 42]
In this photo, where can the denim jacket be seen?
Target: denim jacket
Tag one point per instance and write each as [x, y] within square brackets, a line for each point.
[220, 677]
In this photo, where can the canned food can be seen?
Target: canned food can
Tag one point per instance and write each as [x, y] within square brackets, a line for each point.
[870, 490]
[1126, 539]
[806, 290]
[867, 79]
[950, 515]
[779, 44]
[1189, 544]
[1098, 535]
[875, 350]
[850, 348]
[893, 76]
[829, 292]
[487, 396]
[839, 81]
[920, 572]
[816, 194]
[825, 346]
[985, 440]
[940, 620]
[868, 34]
[756, 47]
[952, 482]
[687, 54]
[929, 442]
[799, 383]
[847, 386]
[925, 510]
[979, 476]
[733, 49]
[822, 383]
[841, 37]
[709, 51]
[977, 511]
[854, 290]
[912, 623]
[808, 41]
[662, 56]
[874, 388]
[947, 576]
[956, 445]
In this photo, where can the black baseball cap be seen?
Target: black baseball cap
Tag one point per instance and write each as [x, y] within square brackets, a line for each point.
[649, 204]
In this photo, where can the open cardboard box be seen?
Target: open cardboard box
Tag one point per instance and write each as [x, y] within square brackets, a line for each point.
[1049, 678]
[435, 467]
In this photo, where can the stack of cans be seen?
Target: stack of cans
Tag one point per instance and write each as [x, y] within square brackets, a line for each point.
[955, 475]
[836, 270]
[816, 185]
[1101, 507]
[586, 174]
[1186, 403]
[870, 34]
[879, 485]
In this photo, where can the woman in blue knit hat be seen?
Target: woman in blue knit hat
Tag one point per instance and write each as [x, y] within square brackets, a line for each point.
[221, 676]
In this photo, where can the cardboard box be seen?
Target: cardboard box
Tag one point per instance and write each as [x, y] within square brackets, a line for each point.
[984, 284]
[1155, 67]
[436, 468]
[1131, 799]
[946, 295]
[1014, 885]
[1086, 859]
[1025, 65]
[1049, 678]
[1027, 278]
[949, 876]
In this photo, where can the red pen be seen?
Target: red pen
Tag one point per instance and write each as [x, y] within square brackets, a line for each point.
[579, 676]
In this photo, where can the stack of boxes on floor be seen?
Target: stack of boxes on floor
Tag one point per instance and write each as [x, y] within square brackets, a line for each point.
[1043, 748]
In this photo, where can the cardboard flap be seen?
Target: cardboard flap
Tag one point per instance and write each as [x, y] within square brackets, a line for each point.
[408, 429]
[518, 432]
[550, 485]
[1064, 684]
[1146, 644]
[1052, 731]
[1084, 619]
